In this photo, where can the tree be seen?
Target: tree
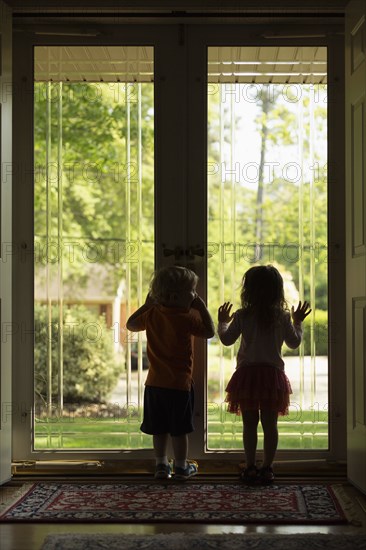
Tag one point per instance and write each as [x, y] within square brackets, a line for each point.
[265, 220]
[100, 173]
[93, 203]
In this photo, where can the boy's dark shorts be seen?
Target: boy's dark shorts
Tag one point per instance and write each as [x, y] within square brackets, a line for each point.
[167, 411]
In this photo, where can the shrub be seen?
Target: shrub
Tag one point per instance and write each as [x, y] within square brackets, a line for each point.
[90, 369]
[320, 331]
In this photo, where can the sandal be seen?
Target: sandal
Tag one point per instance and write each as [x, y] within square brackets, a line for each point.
[266, 475]
[249, 475]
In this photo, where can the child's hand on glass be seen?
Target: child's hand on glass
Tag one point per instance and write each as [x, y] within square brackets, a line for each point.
[224, 313]
[300, 313]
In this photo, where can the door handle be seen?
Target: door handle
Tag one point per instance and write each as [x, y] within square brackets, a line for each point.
[177, 252]
[195, 251]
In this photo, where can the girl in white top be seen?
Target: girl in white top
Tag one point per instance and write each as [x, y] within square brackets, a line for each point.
[259, 387]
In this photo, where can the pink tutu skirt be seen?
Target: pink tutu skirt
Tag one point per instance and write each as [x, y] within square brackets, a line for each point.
[258, 387]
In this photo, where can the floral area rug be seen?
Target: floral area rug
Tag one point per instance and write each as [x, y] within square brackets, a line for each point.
[177, 503]
[181, 541]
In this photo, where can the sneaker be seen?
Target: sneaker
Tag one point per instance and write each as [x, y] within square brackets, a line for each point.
[190, 470]
[266, 475]
[163, 471]
[249, 475]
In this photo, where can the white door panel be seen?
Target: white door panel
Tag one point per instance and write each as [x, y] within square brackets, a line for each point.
[356, 241]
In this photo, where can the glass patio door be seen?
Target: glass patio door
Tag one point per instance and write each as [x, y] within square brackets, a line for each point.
[144, 157]
[267, 109]
[104, 205]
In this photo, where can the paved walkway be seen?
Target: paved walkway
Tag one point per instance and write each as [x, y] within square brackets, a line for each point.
[314, 392]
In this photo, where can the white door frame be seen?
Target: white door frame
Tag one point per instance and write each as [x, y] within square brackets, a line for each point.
[7, 250]
[183, 160]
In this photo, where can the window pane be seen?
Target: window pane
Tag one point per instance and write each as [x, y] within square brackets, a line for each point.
[267, 204]
[94, 242]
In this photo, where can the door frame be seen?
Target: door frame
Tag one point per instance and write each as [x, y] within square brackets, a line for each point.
[7, 251]
[185, 159]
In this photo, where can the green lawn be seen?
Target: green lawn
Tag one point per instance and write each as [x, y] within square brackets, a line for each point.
[224, 432]
[301, 429]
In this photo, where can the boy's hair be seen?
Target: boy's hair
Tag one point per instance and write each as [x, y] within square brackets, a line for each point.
[171, 280]
[263, 294]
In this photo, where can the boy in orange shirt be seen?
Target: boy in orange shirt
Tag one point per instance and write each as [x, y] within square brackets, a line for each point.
[171, 315]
